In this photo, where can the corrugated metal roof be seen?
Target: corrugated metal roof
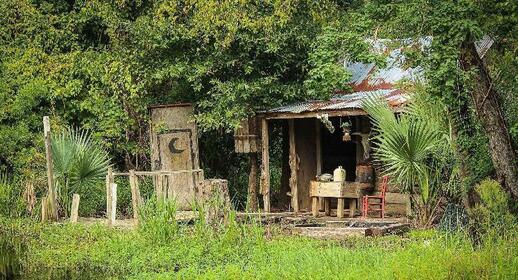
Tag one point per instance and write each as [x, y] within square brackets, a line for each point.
[395, 98]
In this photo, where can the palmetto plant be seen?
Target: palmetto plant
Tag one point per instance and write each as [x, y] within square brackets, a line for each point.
[79, 162]
[409, 148]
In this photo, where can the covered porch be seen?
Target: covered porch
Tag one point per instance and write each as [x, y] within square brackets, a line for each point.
[320, 136]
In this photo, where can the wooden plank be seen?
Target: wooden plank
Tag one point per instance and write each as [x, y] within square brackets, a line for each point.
[315, 207]
[327, 206]
[318, 147]
[352, 207]
[340, 208]
[157, 172]
[305, 143]
[252, 184]
[135, 193]
[74, 212]
[331, 113]
[395, 198]
[159, 186]
[109, 180]
[174, 143]
[293, 167]
[265, 169]
[44, 209]
[328, 189]
[53, 209]
[113, 212]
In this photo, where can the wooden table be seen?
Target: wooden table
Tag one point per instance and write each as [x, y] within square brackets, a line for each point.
[339, 190]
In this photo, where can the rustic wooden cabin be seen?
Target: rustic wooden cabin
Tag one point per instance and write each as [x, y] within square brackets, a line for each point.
[325, 134]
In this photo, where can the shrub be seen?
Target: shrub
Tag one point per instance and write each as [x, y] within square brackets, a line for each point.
[491, 218]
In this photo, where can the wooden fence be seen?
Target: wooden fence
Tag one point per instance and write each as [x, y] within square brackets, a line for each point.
[163, 186]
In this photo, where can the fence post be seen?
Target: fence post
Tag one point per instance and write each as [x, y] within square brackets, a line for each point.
[113, 212]
[135, 193]
[74, 213]
[109, 176]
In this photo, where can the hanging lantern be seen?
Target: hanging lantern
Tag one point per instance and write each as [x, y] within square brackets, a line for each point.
[346, 126]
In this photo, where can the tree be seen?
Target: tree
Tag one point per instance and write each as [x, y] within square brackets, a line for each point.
[456, 26]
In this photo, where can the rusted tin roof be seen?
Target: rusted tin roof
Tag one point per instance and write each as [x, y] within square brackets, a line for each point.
[395, 98]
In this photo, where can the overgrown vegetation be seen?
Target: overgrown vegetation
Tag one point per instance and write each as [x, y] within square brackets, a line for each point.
[240, 251]
[99, 64]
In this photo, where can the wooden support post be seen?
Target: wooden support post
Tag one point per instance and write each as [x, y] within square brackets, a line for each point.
[319, 157]
[314, 206]
[113, 211]
[53, 209]
[293, 167]
[318, 147]
[265, 170]
[340, 208]
[159, 188]
[74, 212]
[135, 193]
[252, 184]
[327, 206]
[352, 207]
[109, 181]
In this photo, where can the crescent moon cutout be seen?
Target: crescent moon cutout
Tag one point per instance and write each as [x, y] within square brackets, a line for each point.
[172, 147]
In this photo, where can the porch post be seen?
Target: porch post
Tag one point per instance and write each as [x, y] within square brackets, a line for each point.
[265, 168]
[293, 167]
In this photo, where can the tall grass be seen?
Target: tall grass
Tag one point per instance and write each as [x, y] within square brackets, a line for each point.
[240, 251]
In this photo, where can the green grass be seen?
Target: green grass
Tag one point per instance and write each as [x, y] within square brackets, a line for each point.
[241, 252]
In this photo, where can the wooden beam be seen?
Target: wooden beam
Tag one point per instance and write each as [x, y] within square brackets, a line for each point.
[53, 209]
[135, 193]
[157, 172]
[314, 114]
[252, 184]
[159, 187]
[318, 147]
[265, 170]
[293, 167]
[74, 212]
[332, 113]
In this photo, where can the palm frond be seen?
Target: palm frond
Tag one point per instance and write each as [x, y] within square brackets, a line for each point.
[79, 161]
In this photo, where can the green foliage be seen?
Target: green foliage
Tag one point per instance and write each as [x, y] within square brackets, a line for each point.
[80, 163]
[450, 23]
[414, 149]
[491, 218]
[12, 204]
[157, 219]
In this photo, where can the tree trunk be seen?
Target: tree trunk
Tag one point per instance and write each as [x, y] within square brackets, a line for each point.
[488, 110]
[252, 183]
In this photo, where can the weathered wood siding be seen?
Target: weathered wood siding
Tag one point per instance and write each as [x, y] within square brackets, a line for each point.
[305, 138]
[174, 146]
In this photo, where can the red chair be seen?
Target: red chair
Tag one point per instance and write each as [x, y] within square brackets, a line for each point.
[378, 201]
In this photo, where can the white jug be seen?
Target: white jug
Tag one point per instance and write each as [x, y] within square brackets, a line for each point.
[339, 174]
